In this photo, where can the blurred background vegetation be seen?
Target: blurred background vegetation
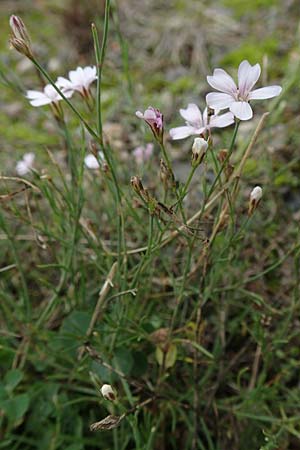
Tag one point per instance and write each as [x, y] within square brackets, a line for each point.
[159, 53]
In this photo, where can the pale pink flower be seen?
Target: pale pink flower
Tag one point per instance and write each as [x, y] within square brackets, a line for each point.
[197, 123]
[154, 118]
[24, 166]
[79, 80]
[237, 98]
[143, 153]
[49, 95]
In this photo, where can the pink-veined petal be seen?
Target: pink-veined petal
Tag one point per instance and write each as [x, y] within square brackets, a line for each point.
[265, 92]
[182, 132]
[221, 121]
[221, 81]
[218, 100]
[192, 115]
[241, 110]
[247, 77]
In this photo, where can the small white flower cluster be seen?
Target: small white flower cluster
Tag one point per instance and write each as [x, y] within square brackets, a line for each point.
[79, 81]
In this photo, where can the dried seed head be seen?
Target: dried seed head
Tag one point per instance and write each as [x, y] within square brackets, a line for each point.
[255, 197]
[108, 392]
[166, 176]
[109, 423]
[137, 184]
[199, 149]
[222, 155]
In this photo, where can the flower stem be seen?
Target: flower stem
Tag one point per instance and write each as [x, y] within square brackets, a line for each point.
[100, 55]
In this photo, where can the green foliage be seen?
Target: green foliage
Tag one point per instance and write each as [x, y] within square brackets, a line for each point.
[195, 326]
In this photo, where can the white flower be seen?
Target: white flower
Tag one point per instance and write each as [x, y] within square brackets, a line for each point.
[237, 98]
[92, 162]
[25, 165]
[196, 123]
[108, 392]
[79, 80]
[49, 95]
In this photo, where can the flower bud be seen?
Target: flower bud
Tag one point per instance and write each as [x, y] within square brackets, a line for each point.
[20, 38]
[255, 197]
[18, 28]
[108, 392]
[154, 118]
[199, 149]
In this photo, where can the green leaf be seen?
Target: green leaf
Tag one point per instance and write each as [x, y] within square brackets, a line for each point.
[140, 364]
[16, 407]
[12, 379]
[123, 360]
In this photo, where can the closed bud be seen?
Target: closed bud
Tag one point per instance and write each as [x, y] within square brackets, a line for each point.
[18, 28]
[20, 38]
[108, 392]
[21, 47]
[255, 197]
[199, 149]
[154, 118]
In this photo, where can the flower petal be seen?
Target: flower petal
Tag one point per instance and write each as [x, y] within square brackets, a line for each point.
[241, 110]
[192, 115]
[218, 100]
[149, 114]
[221, 121]
[182, 132]
[221, 81]
[247, 77]
[266, 92]
[34, 94]
[41, 101]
